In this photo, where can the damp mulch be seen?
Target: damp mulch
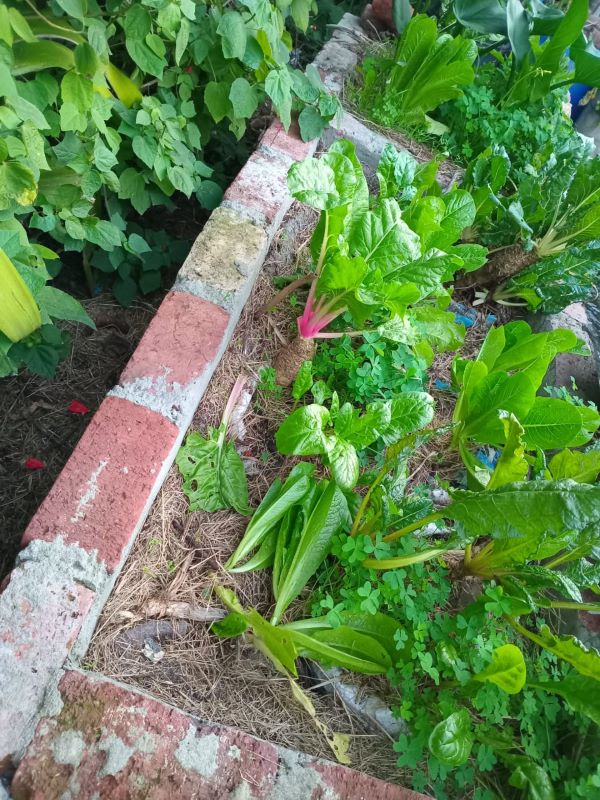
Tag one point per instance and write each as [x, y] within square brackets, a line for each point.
[154, 632]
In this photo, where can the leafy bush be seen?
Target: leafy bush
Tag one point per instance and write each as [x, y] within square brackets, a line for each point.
[107, 110]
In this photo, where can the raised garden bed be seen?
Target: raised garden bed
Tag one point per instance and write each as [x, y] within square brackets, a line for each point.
[152, 594]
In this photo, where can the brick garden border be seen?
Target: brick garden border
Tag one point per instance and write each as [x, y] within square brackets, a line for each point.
[77, 542]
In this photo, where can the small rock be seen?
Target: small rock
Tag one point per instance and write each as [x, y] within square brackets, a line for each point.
[153, 651]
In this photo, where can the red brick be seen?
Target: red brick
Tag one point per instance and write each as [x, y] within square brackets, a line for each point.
[289, 143]
[114, 744]
[262, 185]
[99, 499]
[183, 338]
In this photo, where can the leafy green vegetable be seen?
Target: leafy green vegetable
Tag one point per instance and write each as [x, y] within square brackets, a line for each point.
[213, 472]
[507, 669]
[451, 740]
[425, 70]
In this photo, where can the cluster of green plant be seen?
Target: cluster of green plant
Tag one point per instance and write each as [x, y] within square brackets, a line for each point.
[525, 54]
[552, 216]
[106, 111]
[425, 69]
[381, 260]
[372, 370]
[458, 602]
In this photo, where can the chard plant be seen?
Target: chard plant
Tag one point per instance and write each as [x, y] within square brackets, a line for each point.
[546, 230]
[498, 403]
[383, 262]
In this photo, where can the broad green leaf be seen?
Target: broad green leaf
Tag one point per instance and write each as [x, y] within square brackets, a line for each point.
[437, 327]
[377, 626]
[343, 460]
[540, 508]
[585, 660]
[578, 466]
[302, 433]
[512, 466]
[278, 85]
[551, 423]
[243, 97]
[409, 412]
[232, 30]
[275, 643]
[216, 99]
[343, 647]
[303, 380]
[324, 183]
[383, 239]
[60, 305]
[459, 213]
[530, 776]
[452, 739]
[496, 392]
[312, 123]
[234, 624]
[581, 693]
[274, 505]
[213, 472]
[325, 521]
[395, 172]
[507, 669]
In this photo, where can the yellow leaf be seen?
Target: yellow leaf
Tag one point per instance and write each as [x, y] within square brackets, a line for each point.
[20, 314]
[339, 742]
[125, 89]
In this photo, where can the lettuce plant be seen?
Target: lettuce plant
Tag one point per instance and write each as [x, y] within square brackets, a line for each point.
[426, 69]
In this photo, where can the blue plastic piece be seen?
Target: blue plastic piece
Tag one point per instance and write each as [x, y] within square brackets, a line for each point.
[443, 386]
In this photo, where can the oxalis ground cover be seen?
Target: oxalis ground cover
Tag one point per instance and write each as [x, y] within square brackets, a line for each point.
[399, 499]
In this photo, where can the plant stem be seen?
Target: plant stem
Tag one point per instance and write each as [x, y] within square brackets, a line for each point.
[281, 295]
[365, 501]
[420, 523]
[560, 84]
[467, 559]
[87, 271]
[404, 561]
[576, 606]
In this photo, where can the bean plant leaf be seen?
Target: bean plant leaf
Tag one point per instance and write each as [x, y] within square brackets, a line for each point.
[451, 740]
[507, 669]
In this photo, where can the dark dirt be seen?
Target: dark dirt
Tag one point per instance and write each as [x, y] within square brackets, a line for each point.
[36, 422]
